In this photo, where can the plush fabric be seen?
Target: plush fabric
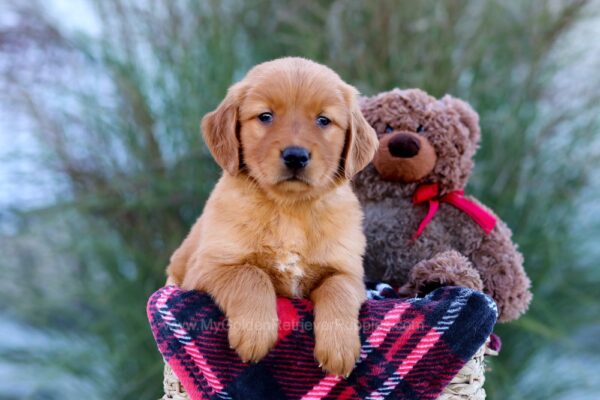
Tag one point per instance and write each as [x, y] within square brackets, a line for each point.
[411, 348]
[397, 242]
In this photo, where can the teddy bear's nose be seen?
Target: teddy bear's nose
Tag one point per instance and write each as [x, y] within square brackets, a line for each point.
[404, 145]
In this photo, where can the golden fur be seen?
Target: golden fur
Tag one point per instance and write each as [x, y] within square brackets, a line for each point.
[265, 233]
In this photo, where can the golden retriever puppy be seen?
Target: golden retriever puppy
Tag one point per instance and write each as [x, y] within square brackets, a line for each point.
[283, 220]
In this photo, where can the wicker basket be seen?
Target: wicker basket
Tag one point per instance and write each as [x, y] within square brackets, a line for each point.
[173, 388]
[466, 385]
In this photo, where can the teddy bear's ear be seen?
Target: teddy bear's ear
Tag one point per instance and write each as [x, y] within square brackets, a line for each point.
[364, 102]
[468, 117]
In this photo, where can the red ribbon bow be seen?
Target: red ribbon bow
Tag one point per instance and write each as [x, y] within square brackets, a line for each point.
[430, 193]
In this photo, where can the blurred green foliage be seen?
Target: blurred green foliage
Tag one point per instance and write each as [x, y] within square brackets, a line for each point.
[115, 115]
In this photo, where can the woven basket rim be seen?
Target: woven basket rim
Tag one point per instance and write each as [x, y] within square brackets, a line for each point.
[466, 385]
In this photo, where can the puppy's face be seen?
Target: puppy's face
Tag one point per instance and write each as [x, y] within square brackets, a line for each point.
[293, 126]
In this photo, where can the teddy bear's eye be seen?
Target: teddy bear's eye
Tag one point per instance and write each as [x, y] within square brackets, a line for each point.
[420, 129]
[388, 129]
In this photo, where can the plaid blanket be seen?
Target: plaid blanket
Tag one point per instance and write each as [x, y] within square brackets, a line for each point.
[411, 348]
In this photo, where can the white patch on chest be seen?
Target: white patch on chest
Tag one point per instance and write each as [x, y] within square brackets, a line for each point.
[289, 264]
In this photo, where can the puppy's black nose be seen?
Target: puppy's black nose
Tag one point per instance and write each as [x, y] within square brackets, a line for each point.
[404, 145]
[295, 157]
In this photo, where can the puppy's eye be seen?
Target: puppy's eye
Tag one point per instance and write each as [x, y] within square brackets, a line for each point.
[323, 121]
[266, 118]
[388, 129]
[420, 129]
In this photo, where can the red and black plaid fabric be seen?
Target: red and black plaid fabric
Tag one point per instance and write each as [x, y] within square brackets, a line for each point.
[411, 348]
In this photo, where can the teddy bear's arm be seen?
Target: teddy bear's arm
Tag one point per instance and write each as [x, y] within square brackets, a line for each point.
[448, 268]
[500, 266]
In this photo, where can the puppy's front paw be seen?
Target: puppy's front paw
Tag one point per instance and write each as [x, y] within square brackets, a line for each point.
[337, 346]
[253, 337]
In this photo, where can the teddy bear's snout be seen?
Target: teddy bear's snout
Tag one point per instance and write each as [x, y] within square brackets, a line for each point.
[404, 145]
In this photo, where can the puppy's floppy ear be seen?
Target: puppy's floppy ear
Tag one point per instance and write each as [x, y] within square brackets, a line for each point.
[361, 139]
[468, 117]
[220, 131]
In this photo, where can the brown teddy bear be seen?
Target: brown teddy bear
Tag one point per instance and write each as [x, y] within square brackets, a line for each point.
[422, 232]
